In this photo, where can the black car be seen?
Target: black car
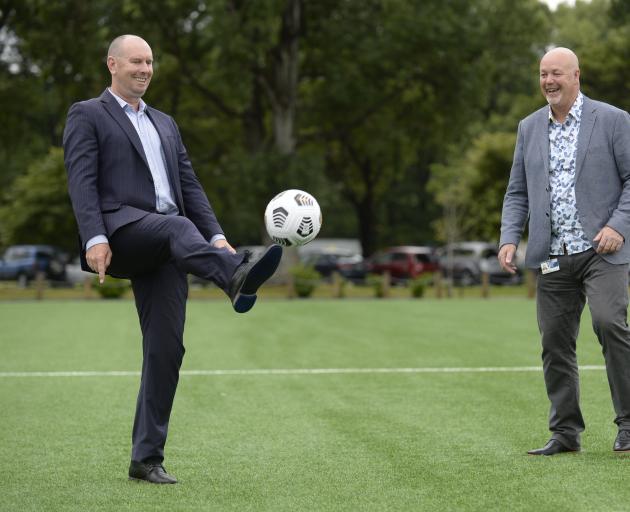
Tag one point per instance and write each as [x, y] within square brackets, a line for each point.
[349, 266]
[22, 263]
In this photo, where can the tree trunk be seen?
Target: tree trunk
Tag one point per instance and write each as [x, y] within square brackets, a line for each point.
[283, 96]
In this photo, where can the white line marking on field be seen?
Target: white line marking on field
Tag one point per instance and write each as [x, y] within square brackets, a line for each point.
[295, 371]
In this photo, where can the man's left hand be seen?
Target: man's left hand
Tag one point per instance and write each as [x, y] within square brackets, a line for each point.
[223, 244]
[608, 240]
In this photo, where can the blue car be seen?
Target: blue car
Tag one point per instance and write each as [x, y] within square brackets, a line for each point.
[21, 263]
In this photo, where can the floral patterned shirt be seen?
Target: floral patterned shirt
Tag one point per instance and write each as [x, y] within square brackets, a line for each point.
[566, 229]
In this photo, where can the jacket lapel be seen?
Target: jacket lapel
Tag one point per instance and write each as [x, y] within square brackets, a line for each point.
[587, 122]
[113, 108]
[542, 133]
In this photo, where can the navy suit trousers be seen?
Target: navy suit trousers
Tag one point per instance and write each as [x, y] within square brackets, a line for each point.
[155, 253]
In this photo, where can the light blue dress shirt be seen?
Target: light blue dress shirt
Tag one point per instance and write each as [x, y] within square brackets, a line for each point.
[150, 139]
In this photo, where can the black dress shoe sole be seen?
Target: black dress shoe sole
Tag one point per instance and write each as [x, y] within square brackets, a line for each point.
[149, 481]
[553, 447]
[552, 454]
[262, 270]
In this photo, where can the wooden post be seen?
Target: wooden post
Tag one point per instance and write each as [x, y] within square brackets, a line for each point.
[337, 285]
[437, 284]
[485, 285]
[291, 286]
[40, 282]
[87, 287]
[386, 284]
[530, 278]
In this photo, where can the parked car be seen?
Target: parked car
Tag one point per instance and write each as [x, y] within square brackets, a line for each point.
[23, 262]
[465, 262]
[75, 274]
[349, 266]
[404, 262]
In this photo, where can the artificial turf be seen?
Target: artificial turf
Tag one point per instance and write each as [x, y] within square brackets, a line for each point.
[300, 441]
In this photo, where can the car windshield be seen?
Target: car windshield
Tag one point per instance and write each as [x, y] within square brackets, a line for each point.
[16, 253]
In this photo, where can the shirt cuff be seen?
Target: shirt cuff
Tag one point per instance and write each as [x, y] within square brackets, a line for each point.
[217, 237]
[98, 239]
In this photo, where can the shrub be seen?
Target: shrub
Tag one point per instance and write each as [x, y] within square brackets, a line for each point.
[112, 288]
[377, 284]
[419, 285]
[305, 280]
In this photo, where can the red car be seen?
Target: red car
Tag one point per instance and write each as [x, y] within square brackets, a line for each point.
[404, 262]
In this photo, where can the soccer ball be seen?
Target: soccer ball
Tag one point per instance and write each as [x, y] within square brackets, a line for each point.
[293, 217]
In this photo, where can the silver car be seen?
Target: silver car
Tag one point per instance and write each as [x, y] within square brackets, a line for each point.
[465, 262]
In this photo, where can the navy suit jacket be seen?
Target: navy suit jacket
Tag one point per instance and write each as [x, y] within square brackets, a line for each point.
[109, 180]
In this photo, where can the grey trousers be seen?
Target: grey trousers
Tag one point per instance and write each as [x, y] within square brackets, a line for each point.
[561, 297]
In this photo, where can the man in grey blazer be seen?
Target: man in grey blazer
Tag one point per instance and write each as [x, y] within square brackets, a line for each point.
[571, 178]
[143, 215]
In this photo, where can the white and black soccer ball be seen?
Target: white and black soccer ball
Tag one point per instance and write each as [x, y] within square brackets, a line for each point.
[293, 217]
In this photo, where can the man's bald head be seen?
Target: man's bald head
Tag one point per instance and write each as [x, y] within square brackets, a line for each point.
[118, 46]
[563, 55]
[130, 62]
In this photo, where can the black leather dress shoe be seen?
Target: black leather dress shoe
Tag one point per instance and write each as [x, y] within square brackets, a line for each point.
[622, 443]
[150, 472]
[553, 447]
[250, 275]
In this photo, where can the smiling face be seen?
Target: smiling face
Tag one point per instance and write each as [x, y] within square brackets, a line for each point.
[560, 79]
[130, 62]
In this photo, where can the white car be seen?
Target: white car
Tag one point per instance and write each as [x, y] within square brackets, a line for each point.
[75, 274]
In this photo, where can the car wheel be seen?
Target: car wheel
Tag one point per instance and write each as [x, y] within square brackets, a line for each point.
[22, 280]
[466, 278]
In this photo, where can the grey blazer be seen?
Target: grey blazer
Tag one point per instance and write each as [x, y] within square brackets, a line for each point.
[602, 180]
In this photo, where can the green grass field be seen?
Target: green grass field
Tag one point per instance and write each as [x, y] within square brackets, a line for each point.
[301, 441]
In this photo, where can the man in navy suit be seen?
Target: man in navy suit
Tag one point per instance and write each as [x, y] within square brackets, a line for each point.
[143, 215]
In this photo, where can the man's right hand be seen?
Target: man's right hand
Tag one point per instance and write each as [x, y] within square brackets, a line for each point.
[98, 258]
[506, 257]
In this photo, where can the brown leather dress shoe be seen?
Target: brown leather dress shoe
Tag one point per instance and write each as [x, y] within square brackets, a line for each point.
[150, 472]
[553, 447]
[622, 443]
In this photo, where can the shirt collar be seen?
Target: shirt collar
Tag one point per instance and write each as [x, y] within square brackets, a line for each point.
[124, 105]
[576, 109]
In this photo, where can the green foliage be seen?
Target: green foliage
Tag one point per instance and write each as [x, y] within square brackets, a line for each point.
[305, 280]
[471, 188]
[112, 287]
[36, 208]
[361, 103]
[600, 36]
[418, 285]
[376, 281]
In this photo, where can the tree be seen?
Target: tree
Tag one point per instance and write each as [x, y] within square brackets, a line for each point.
[36, 207]
[599, 33]
[472, 187]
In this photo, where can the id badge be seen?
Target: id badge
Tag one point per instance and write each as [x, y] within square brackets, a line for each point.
[549, 266]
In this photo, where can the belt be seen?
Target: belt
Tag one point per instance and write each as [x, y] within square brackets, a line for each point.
[564, 252]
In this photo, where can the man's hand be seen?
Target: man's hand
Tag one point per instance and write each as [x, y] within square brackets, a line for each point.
[223, 244]
[608, 240]
[506, 257]
[98, 258]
